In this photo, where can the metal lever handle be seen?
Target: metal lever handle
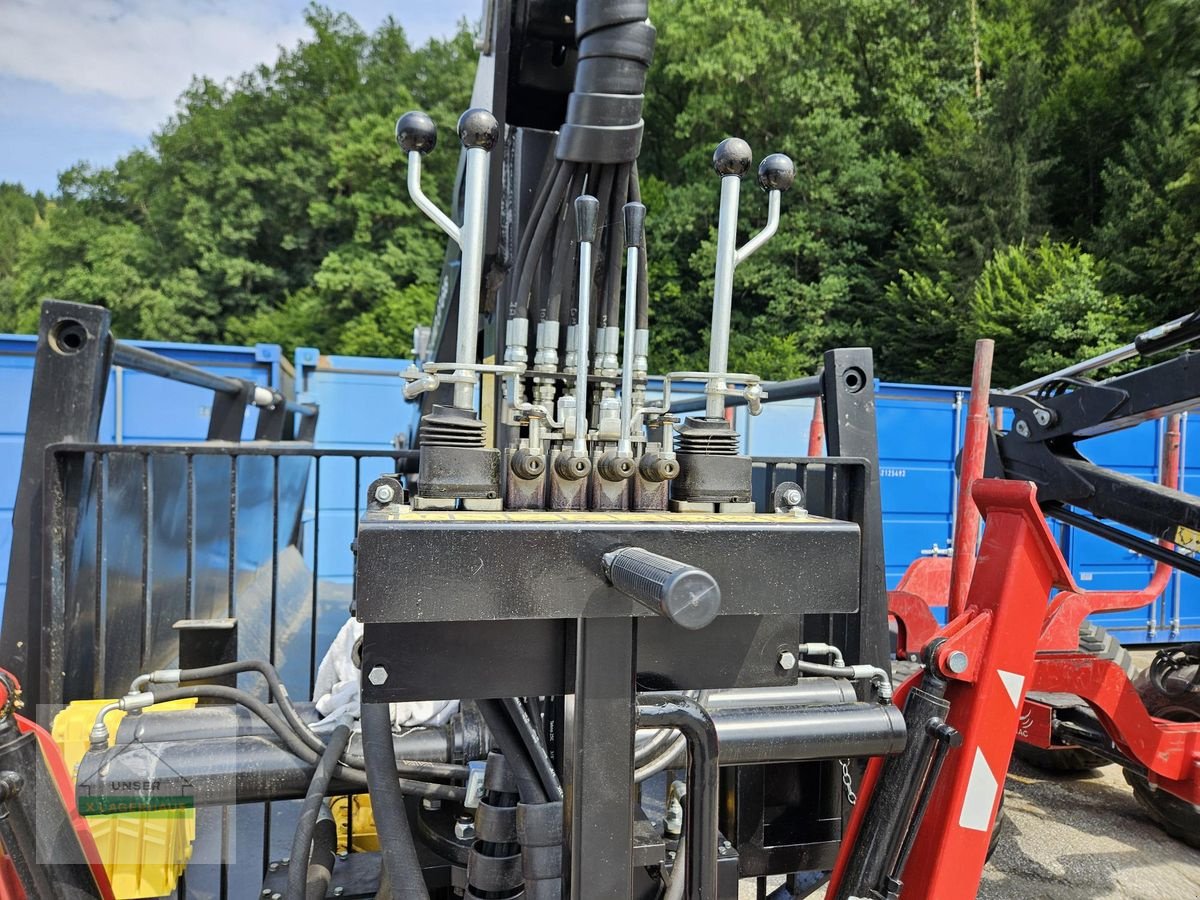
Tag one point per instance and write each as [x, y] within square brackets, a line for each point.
[688, 596]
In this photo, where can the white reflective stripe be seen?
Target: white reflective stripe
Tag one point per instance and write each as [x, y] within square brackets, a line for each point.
[980, 798]
[1013, 683]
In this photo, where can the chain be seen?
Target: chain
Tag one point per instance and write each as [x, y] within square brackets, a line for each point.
[847, 782]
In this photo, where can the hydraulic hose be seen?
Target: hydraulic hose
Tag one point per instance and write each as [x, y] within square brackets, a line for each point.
[391, 818]
[538, 233]
[323, 857]
[302, 843]
[504, 732]
[274, 685]
[535, 748]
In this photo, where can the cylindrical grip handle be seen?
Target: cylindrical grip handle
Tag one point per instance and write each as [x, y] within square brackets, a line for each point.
[688, 596]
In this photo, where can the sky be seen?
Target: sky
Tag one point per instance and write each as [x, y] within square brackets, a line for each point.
[90, 79]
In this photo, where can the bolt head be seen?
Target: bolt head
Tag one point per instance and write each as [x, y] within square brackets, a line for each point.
[1022, 428]
[338, 891]
[787, 660]
[957, 662]
[431, 803]
[464, 830]
[385, 493]
[793, 498]
[377, 676]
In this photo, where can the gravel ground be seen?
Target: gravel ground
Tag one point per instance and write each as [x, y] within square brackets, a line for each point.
[1071, 837]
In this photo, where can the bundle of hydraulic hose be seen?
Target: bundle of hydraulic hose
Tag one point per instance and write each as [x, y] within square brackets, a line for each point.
[596, 154]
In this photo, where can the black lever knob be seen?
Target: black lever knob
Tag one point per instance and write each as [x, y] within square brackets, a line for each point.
[416, 131]
[688, 596]
[776, 172]
[635, 224]
[587, 213]
[478, 128]
[732, 157]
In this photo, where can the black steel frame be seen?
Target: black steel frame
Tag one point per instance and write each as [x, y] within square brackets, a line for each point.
[75, 354]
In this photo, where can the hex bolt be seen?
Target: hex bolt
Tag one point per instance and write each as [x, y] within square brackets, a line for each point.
[431, 803]
[464, 829]
[1022, 428]
[957, 662]
[385, 494]
[787, 660]
[793, 497]
[338, 891]
[277, 896]
[377, 676]
[266, 892]
[274, 867]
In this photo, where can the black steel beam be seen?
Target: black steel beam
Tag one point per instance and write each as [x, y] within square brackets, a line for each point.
[70, 374]
[850, 431]
[597, 776]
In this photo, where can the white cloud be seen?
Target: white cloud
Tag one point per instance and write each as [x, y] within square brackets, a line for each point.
[136, 56]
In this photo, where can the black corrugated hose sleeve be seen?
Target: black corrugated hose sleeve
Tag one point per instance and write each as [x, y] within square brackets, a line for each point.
[391, 819]
[302, 843]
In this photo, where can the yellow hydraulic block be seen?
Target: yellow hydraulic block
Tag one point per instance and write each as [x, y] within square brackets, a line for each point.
[144, 850]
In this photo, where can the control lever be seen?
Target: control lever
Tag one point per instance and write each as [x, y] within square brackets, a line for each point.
[635, 224]
[688, 596]
[478, 130]
[587, 211]
[775, 175]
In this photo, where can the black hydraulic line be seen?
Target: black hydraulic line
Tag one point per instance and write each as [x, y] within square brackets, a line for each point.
[302, 843]
[823, 670]
[504, 732]
[290, 738]
[600, 254]
[793, 389]
[549, 174]
[677, 711]
[323, 858]
[565, 266]
[614, 241]
[274, 685]
[387, 803]
[540, 230]
[536, 749]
